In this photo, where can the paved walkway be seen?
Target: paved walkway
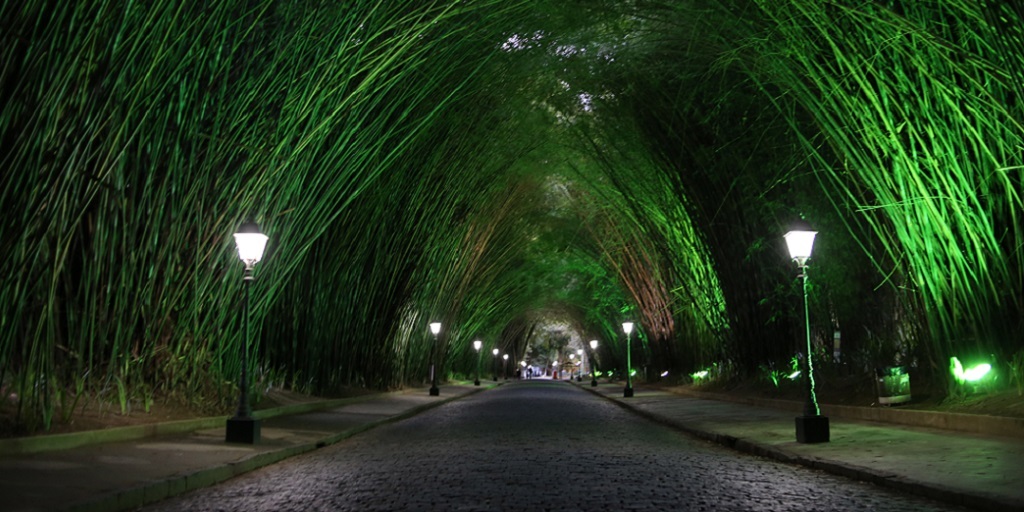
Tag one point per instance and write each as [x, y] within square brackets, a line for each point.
[980, 471]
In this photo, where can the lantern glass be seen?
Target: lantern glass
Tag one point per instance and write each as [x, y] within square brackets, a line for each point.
[250, 242]
[800, 244]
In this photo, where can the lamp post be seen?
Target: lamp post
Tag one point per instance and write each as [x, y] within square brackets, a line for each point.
[477, 344]
[593, 351]
[579, 373]
[628, 391]
[243, 428]
[504, 365]
[572, 366]
[811, 427]
[494, 365]
[435, 327]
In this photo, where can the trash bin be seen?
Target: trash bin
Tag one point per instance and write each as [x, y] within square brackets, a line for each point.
[893, 385]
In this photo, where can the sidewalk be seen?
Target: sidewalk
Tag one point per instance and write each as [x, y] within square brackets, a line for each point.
[143, 467]
[979, 471]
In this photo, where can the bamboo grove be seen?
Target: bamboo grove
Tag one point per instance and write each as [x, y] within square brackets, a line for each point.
[478, 162]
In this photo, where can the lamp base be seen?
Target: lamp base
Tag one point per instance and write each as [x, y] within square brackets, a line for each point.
[593, 383]
[812, 429]
[627, 392]
[434, 391]
[476, 382]
[243, 430]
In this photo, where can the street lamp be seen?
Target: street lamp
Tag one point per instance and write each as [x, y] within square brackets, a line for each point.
[477, 344]
[435, 327]
[504, 366]
[579, 373]
[494, 365]
[628, 391]
[811, 427]
[243, 428]
[593, 352]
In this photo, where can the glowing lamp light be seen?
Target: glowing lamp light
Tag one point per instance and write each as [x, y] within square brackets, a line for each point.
[495, 352]
[664, 373]
[972, 374]
[435, 327]
[505, 357]
[627, 327]
[477, 344]
[250, 242]
[977, 372]
[794, 375]
[593, 344]
[800, 241]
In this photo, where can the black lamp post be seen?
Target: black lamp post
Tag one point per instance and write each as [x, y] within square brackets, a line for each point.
[494, 364]
[477, 344]
[243, 428]
[593, 352]
[504, 365]
[579, 373]
[811, 427]
[628, 391]
[435, 327]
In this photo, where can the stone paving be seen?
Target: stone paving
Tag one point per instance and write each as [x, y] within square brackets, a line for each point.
[536, 445]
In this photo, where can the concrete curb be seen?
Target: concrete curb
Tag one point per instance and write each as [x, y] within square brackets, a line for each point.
[151, 492]
[979, 501]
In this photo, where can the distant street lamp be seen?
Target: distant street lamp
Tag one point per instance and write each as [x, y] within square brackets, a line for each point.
[243, 428]
[435, 327]
[812, 427]
[504, 366]
[477, 344]
[628, 392]
[579, 373]
[593, 352]
[572, 366]
[494, 365]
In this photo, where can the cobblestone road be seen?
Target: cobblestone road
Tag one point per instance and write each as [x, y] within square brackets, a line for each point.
[530, 446]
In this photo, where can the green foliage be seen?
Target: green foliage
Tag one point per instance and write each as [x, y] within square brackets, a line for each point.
[483, 164]
[1017, 371]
